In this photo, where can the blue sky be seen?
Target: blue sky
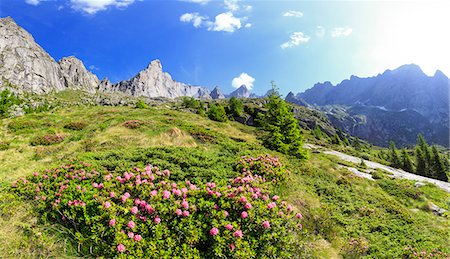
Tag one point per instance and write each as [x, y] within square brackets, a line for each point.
[229, 42]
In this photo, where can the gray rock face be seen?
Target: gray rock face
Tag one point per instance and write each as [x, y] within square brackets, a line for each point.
[77, 76]
[153, 82]
[216, 93]
[24, 63]
[241, 92]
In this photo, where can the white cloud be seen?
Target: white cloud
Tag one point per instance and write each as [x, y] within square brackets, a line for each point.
[292, 13]
[296, 38]
[94, 6]
[226, 22]
[231, 5]
[197, 1]
[341, 32]
[92, 67]
[320, 31]
[243, 79]
[196, 19]
[33, 2]
[248, 25]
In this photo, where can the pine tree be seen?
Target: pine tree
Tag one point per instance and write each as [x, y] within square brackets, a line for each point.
[236, 107]
[393, 155]
[317, 132]
[284, 132]
[407, 164]
[421, 164]
[438, 166]
[336, 140]
[217, 113]
[423, 146]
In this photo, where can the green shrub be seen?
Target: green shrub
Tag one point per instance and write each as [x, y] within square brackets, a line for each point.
[46, 140]
[76, 125]
[7, 99]
[141, 213]
[141, 105]
[266, 166]
[4, 145]
[235, 106]
[15, 126]
[216, 112]
[133, 124]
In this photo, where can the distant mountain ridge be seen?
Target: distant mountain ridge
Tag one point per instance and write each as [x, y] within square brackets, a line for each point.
[29, 67]
[365, 107]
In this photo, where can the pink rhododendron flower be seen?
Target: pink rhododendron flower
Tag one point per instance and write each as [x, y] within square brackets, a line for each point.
[166, 194]
[126, 195]
[185, 204]
[248, 206]
[238, 233]
[120, 248]
[137, 238]
[178, 212]
[157, 220]
[112, 194]
[299, 215]
[95, 185]
[289, 207]
[266, 224]
[154, 193]
[78, 187]
[299, 226]
[214, 231]
[186, 213]
[112, 222]
[107, 205]
[242, 199]
[229, 226]
[130, 234]
[232, 247]
[131, 224]
[244, 214]
[226, 213]
[275, 198]
[134, 210]
[149, 208]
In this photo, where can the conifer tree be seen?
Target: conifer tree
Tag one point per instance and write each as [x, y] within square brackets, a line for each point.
[421, 164]
[407, 164]
[426, 153]
[393, 155]
[284, 132]
[336, 140]
[438, 166]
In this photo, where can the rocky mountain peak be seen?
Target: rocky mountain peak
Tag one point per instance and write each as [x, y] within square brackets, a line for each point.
[24, 63]
[241, 92]
[216, 93]
[76, 75]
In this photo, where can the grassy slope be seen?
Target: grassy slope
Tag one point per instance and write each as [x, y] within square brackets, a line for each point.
[385, 215]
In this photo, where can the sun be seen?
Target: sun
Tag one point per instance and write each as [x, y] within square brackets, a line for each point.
[413, 32]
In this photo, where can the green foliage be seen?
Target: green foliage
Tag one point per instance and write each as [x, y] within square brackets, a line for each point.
[236, 107]
[141, 105]
[7, 100]
[266, 166]
[421, 162]
[76, 125]
[217, 112]
[336, 140]
[4, 145]
[141, 213]
[393, 155]
[317, 132]
[46, 140]
[283, 131]
[437, 166]
[407, 163]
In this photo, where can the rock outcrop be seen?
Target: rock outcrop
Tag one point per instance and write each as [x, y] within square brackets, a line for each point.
[241, 92]
[153, 82]
[77, 76]
[24, 63]
[216, 93]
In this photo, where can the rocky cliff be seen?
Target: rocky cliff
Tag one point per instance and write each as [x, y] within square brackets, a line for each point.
[24, 63]
[76, 76]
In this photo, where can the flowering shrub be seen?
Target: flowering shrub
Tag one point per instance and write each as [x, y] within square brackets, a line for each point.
[46, 140]
[76, 125]
[141, 213]
[266, 166]
[412, 252]
[132, 124]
